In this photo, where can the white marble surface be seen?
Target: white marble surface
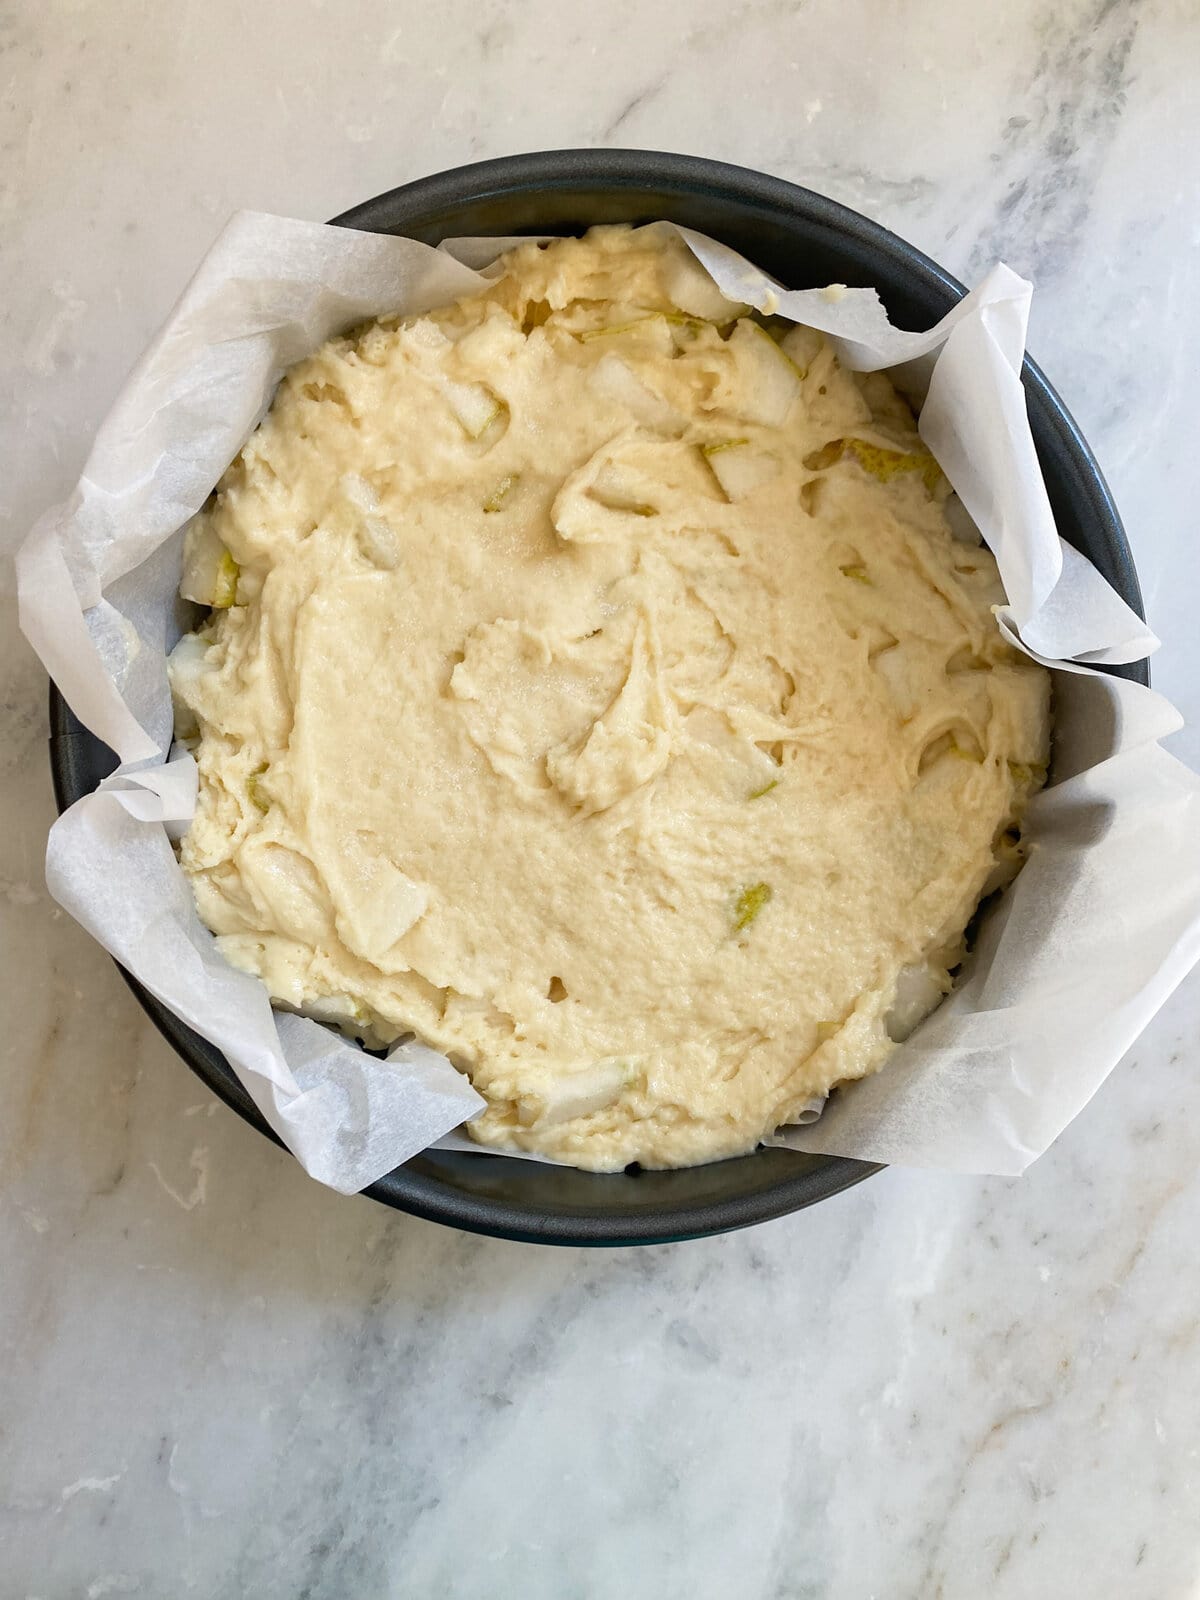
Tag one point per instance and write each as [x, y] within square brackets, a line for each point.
[220, 1380]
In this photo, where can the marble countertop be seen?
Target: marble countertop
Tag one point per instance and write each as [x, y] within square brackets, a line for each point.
[219, 1379]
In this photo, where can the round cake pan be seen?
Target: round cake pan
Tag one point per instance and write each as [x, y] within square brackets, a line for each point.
[804, 240]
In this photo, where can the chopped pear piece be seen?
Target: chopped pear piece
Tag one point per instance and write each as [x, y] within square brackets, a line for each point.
[613, 489]
[254, 789]
[378, 540]
[487, 348]
[801, 345]
[495, 500]
[380, 543]
[358, 491]
[902, 675]
[616, 381]
[876, 461]
[768, 381]
[210, 573]
[185, 665]
[920, 988]
[888, 464]
[225, 588]
[749, 904]
[1029, 774]
[692, 289]
[426, 335]
[187, 661]
[829, 453]
[474, 404]
[597, 499]
[739, 467]
[651, 333]
[561, 1096]
[338, 1010]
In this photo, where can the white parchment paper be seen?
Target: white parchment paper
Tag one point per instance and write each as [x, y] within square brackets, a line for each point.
[1100, 926]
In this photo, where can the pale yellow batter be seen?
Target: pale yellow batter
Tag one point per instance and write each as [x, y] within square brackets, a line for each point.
[596, 691]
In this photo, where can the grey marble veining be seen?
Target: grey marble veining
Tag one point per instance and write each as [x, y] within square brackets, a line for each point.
[219, 1379]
